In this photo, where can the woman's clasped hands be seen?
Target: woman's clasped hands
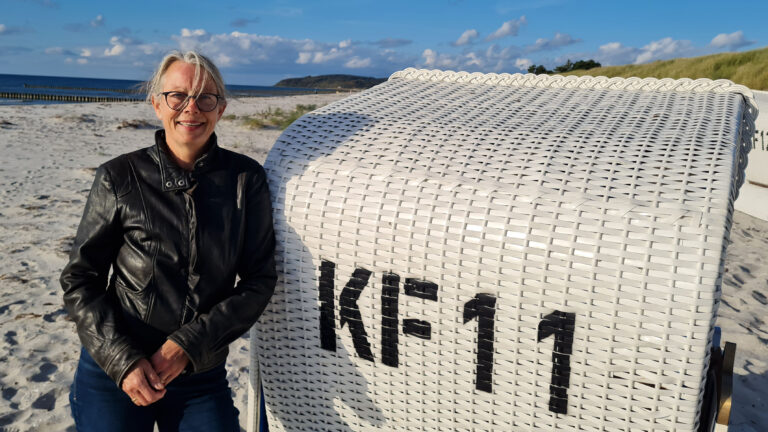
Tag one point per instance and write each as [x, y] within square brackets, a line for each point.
[146, 380]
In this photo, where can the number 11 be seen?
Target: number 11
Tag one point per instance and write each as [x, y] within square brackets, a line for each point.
[558, 323]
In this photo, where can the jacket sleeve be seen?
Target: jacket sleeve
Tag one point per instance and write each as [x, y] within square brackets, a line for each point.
[84, 281]
[209, 333]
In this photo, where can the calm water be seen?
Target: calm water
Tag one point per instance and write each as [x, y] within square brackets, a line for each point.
[108, 88]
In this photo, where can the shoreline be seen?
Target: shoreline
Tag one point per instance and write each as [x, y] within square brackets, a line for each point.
[32, 99]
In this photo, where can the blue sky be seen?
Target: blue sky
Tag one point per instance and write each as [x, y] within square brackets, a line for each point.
[261, 42]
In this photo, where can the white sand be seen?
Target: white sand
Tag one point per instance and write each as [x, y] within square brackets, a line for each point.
[47, 159]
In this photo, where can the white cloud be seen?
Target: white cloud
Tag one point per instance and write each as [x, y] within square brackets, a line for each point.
[509, 28]
[733, 40]
[98, 21]
[357, 62]
[116, 50]
[466, 38]
[560, 40]
[663, 49]
[492, 59]
[274, 54]
[304, 58]
[241, 39]
[434, 60]
[609, 54]
[82, 61]
[3, 28]
[223, 60]
[123, 40]
[326, 56]
[192, 33]
[118, 47]
[241, 53]
[472, 59]
[614, 53]
[151, 49]
[613, 47]
[523, 63]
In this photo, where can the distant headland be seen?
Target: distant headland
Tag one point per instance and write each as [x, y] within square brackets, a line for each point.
[346, 82]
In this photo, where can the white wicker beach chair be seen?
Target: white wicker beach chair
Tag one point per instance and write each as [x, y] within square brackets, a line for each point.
[500, 252]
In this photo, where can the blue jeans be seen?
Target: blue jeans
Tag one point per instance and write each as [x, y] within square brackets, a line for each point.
[199, 402]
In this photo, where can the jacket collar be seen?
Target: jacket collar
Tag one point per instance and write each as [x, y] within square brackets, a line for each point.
[172, 176]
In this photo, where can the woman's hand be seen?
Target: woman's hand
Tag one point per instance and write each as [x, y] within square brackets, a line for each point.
[142, 384]
[169, 361]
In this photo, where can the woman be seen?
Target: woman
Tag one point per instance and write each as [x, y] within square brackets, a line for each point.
[175, 222]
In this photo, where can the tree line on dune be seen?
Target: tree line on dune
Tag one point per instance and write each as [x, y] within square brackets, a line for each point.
[567, 67]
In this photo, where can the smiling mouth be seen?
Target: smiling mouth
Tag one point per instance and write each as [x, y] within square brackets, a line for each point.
[189, 124]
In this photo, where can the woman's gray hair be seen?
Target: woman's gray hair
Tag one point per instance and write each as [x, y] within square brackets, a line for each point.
[204, 68]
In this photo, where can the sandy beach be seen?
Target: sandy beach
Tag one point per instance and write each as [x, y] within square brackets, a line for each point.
[49, 154]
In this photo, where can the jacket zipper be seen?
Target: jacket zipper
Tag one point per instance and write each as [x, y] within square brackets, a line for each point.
[192, 277]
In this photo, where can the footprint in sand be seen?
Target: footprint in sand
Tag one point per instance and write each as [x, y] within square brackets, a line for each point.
[8, 419]
[4, 308]
[757, 295]
[725, 302]
[9, 393]
[46, 401]
[45, 371]
[730, 280]
[10, 338]
[51, 317]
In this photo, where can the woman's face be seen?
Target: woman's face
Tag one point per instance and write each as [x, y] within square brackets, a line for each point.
[189, 128]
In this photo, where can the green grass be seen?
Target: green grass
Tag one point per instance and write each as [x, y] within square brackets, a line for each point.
[749, 68]
[272, 118]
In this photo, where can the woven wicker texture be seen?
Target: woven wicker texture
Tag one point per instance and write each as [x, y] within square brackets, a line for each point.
[501, 252]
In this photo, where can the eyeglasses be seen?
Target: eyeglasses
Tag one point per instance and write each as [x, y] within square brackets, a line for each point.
[177, 101]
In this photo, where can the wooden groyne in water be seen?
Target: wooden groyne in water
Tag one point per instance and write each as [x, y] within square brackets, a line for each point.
[130, 91]
[64, 98]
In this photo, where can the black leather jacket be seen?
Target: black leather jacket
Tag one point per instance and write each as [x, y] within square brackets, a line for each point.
[175, 240]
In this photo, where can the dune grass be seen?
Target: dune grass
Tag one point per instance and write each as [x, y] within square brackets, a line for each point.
[749, 68]
[272, 118]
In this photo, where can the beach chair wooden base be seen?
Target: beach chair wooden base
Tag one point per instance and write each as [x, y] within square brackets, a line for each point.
[725, 388]
[716, 407]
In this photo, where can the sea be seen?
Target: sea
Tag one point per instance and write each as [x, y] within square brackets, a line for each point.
[35, 90]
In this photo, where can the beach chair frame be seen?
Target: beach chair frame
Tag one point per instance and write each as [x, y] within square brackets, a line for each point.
[501, 252]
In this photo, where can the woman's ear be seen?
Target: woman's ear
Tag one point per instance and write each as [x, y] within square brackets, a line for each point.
[156, 106]
[221, 109]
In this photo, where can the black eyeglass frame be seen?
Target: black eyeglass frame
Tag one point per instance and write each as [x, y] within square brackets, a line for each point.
[188, 98]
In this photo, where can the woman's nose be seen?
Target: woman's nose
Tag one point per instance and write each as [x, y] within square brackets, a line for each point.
[192, 105]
